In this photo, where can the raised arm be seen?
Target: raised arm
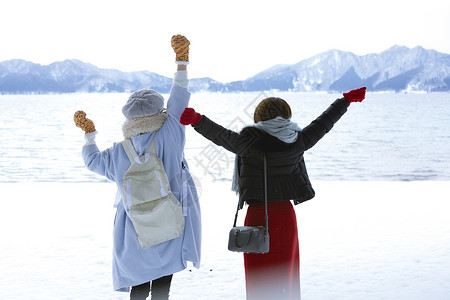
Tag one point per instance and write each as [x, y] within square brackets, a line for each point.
[232, 141]
[96, 161]
[322, 125]
[179, 95]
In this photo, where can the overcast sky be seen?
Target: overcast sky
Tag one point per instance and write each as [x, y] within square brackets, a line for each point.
[230, 40]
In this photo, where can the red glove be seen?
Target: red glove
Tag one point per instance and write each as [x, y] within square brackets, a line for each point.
[189, 116]
[357, 95]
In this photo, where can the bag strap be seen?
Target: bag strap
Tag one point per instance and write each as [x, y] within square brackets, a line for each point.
[265, 194]
[129, 149]
[132, 154]
[265, 198]
[152, 148]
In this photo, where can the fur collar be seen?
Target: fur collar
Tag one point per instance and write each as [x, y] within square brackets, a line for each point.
[136, 126]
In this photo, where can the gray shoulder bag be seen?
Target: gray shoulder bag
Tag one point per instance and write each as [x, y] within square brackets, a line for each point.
[251, 239]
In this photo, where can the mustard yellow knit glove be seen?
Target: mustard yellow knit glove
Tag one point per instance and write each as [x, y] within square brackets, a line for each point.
[80, 121]
[180, 45]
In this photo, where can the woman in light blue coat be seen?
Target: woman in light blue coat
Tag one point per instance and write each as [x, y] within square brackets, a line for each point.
[136, 267]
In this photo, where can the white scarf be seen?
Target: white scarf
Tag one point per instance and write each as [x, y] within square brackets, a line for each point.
[279, 127]
[136, 126]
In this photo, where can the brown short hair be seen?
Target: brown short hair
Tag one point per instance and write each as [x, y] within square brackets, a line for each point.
[270, 108]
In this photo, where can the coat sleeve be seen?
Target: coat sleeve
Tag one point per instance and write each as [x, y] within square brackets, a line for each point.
[179, 95]
[312, 133]
[100, 162]
[237, 143]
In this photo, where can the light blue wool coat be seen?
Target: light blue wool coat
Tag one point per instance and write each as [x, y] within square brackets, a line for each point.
[132, 264]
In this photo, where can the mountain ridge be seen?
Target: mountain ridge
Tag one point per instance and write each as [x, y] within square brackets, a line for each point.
[398, 69]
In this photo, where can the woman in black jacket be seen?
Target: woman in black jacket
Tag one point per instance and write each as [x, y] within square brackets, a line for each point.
[275, 275]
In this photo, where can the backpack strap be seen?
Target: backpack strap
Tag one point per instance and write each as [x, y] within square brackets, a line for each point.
[152, 148]
[129, 149]
[132, 154]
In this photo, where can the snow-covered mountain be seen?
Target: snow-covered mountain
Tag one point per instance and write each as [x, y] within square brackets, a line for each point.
[396, 69]
[19, 76]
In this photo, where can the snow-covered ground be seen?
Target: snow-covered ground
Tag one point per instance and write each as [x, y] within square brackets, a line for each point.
[358, 240]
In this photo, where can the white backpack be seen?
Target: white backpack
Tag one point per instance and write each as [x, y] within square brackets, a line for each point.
[156, 214]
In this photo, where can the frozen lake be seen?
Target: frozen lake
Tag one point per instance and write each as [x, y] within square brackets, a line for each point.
[400, 137]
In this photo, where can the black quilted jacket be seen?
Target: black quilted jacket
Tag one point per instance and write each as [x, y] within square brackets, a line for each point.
[286, 170]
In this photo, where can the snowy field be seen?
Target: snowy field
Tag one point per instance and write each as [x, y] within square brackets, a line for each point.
[358, 240]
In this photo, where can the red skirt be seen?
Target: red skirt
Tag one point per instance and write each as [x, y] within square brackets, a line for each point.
[274, 275]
